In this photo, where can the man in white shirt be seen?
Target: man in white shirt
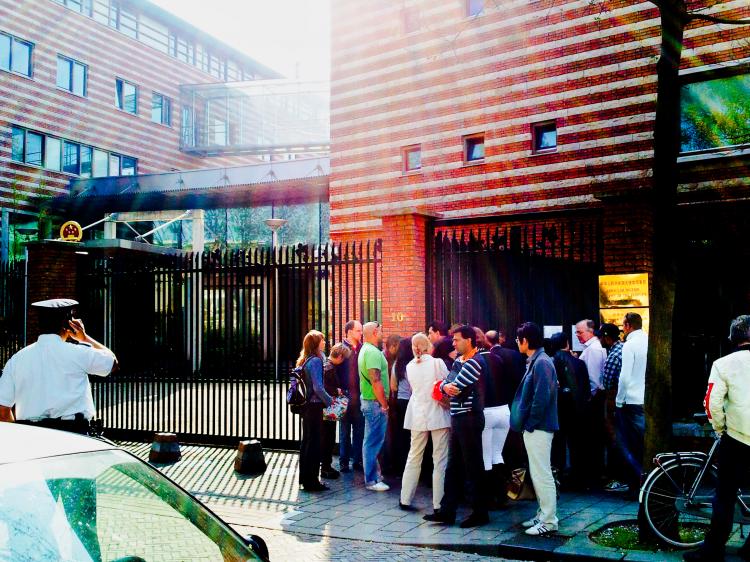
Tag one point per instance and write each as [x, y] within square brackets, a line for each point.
[630, 420]
[594, 356]
[47, 381]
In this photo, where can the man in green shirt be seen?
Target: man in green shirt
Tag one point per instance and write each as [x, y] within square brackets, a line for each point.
[373, 382]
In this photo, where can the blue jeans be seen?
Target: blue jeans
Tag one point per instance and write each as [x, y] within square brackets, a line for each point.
[376, 422]
[630, 426]
[351, 435]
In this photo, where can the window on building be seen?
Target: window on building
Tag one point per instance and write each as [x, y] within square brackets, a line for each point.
[101, 164]
[86, 155]
[411, 157]
[126, 96]
[474, 148]
[188, 131]
[474, 7]
[82, 6]
[114, 165]
[53, 153]
[161, 109]
[71, 157]
[128, 166]
[34, 148]
[71, 75]
[17, 143]
[544, 137]
[15, 54]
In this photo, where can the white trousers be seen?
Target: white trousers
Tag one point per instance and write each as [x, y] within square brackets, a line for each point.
[539, 448]
[414, 465]
[496, 428]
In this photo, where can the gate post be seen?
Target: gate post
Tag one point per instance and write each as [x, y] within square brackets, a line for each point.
[405, 246]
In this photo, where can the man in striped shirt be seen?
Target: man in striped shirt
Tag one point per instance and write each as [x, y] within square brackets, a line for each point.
[463, 385]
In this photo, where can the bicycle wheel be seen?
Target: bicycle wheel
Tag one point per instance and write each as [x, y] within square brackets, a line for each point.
[665, 500]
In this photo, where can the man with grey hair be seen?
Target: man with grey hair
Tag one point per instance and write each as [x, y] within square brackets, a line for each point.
[374, 390]
[727, 408]
[630, 420]
[594, 356]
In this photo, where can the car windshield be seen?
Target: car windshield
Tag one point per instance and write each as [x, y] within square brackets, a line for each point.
[107, 506]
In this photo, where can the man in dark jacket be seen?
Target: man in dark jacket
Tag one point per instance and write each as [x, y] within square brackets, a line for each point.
[572, 400]
[442, 344]
[534, 412]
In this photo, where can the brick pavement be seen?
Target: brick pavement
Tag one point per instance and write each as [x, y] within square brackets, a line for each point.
[274, 507]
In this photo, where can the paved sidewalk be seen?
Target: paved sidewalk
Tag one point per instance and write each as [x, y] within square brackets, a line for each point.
[273, 502]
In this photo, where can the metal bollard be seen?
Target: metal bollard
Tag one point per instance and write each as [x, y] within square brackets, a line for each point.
[165, 448]
[250, 459]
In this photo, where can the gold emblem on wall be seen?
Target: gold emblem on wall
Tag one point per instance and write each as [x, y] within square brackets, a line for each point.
[71, 231]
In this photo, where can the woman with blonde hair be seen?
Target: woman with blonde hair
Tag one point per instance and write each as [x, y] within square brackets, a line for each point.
[311, 359]
[425, 416]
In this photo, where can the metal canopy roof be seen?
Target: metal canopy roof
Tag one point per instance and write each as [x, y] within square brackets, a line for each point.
[285, 182]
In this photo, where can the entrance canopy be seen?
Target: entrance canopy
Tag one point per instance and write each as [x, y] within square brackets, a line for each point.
[281, 183]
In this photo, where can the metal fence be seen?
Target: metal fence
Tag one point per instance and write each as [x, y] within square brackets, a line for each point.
[497, 277]
[12, 308]
[196, 335]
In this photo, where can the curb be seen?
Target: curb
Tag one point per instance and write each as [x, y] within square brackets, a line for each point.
[515, 552]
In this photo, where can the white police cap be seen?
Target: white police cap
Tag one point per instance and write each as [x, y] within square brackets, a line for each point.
[55, 303]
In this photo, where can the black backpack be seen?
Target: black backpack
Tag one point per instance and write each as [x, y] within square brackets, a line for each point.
[296, 395]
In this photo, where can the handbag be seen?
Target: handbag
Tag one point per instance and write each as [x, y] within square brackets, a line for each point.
[337, 409]
[520, 486]
[437, 394]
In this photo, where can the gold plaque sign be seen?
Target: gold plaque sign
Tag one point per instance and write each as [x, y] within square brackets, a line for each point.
[71, 231]
[623, 290]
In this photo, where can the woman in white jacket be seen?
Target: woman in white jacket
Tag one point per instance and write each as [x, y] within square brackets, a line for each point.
[425, 416]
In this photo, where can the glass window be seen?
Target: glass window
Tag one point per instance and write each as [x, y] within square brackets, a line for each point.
[64, 74]
[100, 11]
[128, 166]
[474, 7]
[20, 57]
[4, 52]
[474, 148]
[128, 24]
[86, 161]
[544, 136]
[412, 158]
[52, 153]
[101, 163]
[161, 109]
[79, 79]
[71, 157]
[188, 132]
[126, 96]
[114, 165]
[34, 148]
[17, 144]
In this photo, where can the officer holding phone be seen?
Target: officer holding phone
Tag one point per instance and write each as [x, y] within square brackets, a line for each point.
[47, 381]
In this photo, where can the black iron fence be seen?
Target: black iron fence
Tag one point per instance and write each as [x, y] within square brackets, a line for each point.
[199, 336]
[12, 311]
[498, 277]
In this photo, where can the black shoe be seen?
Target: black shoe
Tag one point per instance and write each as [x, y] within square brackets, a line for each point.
[475, 520]
[330, 473]
[316, 488]
[405, 507]
[357, 466]
[438, 516]
[344, 468]
[702, 556]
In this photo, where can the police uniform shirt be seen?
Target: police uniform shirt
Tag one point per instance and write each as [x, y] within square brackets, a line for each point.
[49, 379]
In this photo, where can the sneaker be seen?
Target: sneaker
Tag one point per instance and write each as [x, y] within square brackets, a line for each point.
[378, 487]
[541, 529]
[531, 523]
[616, 486]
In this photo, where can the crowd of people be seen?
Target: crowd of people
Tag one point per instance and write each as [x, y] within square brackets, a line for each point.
[480, 404]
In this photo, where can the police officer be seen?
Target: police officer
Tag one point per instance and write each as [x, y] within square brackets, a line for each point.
[47, 381]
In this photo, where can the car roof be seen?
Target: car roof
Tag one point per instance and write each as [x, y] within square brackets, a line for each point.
[23, 443]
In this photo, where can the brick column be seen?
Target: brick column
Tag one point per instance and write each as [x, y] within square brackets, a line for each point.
[628, 235]
[52, 273]
[404, 270]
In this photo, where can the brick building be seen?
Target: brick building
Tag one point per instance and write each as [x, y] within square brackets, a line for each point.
[476, 114]
[91, 88]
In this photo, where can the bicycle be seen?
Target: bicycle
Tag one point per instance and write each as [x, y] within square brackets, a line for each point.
[677, 496]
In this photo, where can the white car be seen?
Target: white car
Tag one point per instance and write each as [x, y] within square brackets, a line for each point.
[73, 498]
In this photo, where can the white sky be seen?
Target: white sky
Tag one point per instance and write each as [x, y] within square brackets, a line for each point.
[285, 35]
